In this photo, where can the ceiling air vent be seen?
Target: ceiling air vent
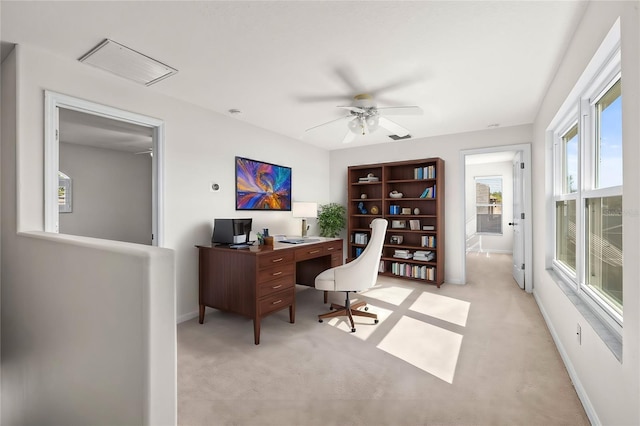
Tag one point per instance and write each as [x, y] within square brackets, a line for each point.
[399, 138]
[125, 62]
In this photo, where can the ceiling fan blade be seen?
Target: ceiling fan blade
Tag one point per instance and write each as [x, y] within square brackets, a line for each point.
[400, 110]
[352, 108]
[328, 122]
[349, 137]
[322, 98]
[392, 126]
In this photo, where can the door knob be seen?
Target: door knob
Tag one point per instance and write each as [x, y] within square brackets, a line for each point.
[512, 223]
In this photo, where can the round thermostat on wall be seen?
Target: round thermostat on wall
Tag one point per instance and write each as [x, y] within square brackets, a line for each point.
[215, 187]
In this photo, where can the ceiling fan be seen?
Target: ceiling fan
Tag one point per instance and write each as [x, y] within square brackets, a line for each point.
[365, 117]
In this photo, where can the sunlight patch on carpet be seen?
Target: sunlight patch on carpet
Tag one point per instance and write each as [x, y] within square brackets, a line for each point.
[391, 294]
[445, 308]
[425, 346]
[364, 326]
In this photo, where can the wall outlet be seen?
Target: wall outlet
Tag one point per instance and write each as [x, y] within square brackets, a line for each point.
[579, 334]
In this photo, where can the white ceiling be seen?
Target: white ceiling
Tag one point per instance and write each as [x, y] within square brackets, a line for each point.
[287, 64]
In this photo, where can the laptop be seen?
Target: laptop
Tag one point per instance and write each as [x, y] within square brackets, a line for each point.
[299, 240]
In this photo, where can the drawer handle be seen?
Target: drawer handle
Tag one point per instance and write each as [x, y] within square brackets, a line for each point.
[275, 274]
[277, 286]
[280, 259]
[314, 251]
[330, 248]
[276, 302]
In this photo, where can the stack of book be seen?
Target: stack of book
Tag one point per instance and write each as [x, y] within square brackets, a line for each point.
[425, 256]
[402, 254]
[427, 172]
[360, 238]
[369, 179]
[428, 241]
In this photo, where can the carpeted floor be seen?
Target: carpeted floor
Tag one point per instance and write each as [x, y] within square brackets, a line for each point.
[478, 354]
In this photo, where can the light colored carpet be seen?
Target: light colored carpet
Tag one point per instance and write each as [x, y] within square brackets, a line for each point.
[478, 354]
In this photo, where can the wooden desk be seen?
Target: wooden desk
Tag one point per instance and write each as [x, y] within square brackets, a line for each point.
[261, 280]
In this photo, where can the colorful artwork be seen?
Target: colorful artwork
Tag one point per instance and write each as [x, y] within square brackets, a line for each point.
[262, 186]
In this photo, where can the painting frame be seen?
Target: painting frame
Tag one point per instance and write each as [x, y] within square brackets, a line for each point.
[262, 186]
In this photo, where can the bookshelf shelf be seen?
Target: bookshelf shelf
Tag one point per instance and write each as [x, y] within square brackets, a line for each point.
[422, 183]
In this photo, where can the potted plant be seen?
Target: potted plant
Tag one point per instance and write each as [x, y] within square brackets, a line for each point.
[331, 219]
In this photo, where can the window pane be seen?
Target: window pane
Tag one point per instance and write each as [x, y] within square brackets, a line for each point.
[489, 205]
[566, 233]
[609, 141]
[570, 161]
[604, 245]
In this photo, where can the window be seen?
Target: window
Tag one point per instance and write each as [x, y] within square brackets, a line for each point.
[588, 193]
[64, 193]
[489, 205]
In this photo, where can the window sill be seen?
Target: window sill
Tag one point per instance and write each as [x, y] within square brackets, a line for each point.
[608, 336]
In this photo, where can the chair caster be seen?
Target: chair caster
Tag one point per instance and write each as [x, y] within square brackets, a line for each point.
[353, 330]
[320, 320]
[366, 308]
[375, 321]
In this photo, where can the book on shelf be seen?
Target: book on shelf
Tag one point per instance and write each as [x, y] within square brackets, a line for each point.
[428, 228]
[360, 238]
[426, 172]
[429, 192]
[381, 268]
[428, 241]
[422, 272]
[359, 251]
[425, 256]
[402, 254]
[369, 179]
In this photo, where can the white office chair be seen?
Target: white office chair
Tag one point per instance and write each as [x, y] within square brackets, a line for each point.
[358, 275]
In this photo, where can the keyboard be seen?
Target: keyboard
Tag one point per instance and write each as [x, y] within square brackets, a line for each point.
[299, 241]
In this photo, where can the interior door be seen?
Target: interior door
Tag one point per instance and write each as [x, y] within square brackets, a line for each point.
[517, 223]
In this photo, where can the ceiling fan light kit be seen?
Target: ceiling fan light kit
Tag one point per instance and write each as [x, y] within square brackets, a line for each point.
[365, 117]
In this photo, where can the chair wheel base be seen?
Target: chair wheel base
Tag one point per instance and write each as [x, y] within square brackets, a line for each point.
[319, 320]
[375, 321]
[353, 330]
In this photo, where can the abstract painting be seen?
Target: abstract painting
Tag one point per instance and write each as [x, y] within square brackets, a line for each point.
[262, 186]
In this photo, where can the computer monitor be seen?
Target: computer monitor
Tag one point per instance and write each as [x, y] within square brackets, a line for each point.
[231, 231]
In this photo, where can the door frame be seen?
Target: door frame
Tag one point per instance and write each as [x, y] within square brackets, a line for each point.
[525, 149]
[52, 102]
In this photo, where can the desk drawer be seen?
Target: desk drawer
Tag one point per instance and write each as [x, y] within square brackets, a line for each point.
[278, 257]
[276, 301]
[310, 252]
[274, 286]
[275, 272]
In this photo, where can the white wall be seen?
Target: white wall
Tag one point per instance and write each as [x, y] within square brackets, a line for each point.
[448, 148]
[88, 326]
[111, 193]
[610, 390]
[200, 148]
[491, 243]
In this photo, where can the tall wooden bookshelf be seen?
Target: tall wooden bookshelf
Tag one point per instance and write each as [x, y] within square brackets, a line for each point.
[416, 220]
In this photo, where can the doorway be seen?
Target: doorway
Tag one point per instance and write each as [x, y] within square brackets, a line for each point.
[112, 171]
[497, 207]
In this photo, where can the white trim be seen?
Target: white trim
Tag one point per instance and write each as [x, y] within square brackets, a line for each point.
[527, 222]
[54, 101]
[575, 378]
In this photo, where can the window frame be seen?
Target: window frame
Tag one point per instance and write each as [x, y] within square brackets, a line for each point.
[501, 205]
[583, 112]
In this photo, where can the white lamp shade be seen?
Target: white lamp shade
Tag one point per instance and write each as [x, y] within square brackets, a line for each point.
[304, 210]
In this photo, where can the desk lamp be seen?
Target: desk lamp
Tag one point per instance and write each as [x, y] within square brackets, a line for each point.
[304, 211]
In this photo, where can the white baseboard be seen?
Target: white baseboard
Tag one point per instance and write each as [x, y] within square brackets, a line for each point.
[577, 384]
[470, 250]
[187, 317]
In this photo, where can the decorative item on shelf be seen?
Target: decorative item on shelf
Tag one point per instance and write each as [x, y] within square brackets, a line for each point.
[396, 239]
[396, 194]
[398, 224]
[361, 208]
[369, 178]
[406, 210]
[363, 196]
[375, 210]
[331, 219]
[416, 211]
[414, 225]
[428, 228]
